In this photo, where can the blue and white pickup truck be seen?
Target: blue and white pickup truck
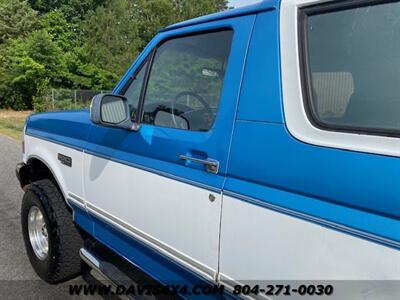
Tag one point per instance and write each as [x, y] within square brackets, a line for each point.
[260, 143]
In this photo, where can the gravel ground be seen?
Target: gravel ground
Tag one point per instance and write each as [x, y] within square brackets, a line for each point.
[17, 278]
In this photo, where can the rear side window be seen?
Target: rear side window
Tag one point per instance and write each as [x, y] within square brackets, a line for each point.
[351, 66]
[185, 81]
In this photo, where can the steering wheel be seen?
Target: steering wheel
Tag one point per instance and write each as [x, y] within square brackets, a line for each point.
[188, 93]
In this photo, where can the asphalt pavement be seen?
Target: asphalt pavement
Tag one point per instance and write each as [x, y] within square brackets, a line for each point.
[17, 278]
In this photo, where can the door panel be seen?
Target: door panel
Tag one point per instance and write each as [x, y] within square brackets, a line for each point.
[165, 213]
[137, 181]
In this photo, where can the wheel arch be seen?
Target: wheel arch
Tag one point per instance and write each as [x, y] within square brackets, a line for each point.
[37, 168]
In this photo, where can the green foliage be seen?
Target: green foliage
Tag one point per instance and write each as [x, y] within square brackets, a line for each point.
[71, 8]
[44, 103]
[28, 78]
[187, 9]
[112, 33]
[78, 44]
[17, 19]
[152, 15]
[28, 66]
[42, 49]
[60, 30]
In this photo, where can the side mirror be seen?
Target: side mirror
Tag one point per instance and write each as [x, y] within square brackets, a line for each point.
[111, 110]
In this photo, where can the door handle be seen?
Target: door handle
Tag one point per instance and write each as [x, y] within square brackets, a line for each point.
[211, 165]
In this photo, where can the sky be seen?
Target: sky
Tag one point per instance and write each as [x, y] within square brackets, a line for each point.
[238, 3]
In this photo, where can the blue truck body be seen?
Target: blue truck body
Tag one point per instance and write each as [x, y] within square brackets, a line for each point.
[261, 163]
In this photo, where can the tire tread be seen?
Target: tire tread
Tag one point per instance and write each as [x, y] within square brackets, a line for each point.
[65, 236]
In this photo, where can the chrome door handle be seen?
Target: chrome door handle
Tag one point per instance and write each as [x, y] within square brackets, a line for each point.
[212, 166]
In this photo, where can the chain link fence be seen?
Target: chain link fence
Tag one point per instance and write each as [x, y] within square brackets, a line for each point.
[65, 99]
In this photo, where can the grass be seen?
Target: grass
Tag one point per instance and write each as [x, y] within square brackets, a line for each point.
[12, 123]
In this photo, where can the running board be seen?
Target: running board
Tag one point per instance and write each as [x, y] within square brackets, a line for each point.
[116, 271]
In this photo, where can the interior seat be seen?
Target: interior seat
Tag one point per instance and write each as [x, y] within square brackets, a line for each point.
[373, 112]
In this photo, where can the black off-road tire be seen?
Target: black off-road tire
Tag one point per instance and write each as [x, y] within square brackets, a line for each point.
[64, 240]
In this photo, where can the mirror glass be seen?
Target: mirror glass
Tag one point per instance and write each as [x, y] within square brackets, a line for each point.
[113, 109]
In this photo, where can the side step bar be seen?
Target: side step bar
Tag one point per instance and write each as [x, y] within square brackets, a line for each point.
[100, 276]
[90, 259]
[110, 274]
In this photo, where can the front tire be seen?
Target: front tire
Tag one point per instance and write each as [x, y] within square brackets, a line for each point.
[51, 239]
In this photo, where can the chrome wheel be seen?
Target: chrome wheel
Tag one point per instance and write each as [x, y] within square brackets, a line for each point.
[38, 233]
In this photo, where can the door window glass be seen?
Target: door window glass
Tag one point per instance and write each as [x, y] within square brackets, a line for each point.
[134, 89]
[185, 81]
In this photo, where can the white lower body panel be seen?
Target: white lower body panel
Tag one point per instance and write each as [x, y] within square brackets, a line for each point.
[69, 178]
[262, 244]
[174, 217]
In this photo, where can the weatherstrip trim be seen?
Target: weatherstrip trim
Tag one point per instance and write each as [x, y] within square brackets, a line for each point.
[76, 200]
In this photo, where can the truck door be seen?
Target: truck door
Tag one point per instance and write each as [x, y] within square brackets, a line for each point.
[162, 184]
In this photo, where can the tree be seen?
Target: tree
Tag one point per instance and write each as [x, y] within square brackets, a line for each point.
[42, 49]
[71, 8]
[28, 66]
[187, 9]
[117, 32]
[152, 15]
[85, 44]
[17, 19]
[112, 39]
